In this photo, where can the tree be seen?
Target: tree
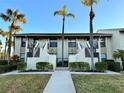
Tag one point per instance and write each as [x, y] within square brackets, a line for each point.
[63, 12]
[4, 34]
[119, 54]
[13, 17]
[90, 3]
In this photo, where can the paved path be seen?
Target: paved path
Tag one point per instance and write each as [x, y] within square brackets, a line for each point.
[60, 82]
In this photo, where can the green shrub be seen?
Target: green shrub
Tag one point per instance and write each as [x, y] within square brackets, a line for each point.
[101, 66]
[3, 68]
[7, 68]
[117, 67]
[3, 62]
[79, 66]
[44, 66]
[21, 65]
[113, 66]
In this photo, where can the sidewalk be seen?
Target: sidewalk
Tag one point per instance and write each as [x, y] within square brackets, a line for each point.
[60, 82]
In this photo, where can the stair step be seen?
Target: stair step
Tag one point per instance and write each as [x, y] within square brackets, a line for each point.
[62, 69]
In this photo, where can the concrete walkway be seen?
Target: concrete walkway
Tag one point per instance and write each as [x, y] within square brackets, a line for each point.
[60, 82]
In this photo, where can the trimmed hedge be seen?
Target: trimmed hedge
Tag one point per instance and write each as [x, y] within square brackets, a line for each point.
[44, 66]
[113, 66]
[117, 67]
[3, 62]
[101, 66]
[7, 68]
[21, 65]
[79, 66]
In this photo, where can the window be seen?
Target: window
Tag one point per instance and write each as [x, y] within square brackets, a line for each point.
[103, 56]
[30, 53]
[53, 42]
[102, 43]
[72, 43]
[23, 42]
[22, 56]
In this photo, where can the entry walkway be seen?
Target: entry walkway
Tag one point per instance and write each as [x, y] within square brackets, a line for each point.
[60, 82]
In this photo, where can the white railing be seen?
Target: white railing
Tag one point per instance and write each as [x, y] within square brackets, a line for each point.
[35, 49]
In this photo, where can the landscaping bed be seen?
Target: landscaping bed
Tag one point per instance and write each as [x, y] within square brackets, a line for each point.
[99, 83]
[23, 83]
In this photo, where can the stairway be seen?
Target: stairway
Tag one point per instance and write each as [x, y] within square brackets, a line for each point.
[62, 69]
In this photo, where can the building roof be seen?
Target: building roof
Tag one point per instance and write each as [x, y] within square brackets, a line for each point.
[112, 29]
[59, 34]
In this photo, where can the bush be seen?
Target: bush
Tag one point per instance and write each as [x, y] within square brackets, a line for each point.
[101, 66]
[44, 66]
[21, 65]
[117, 67]
[110, 64]
[79, 66]
[113, 66]
[3, 62]
[7, 68]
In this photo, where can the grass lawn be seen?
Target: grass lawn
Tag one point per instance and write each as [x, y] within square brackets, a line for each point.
[99, 83]
[23, 83]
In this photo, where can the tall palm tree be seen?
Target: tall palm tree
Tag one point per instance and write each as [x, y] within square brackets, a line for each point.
[119, 54]
[90, 3]
[13, 17]
[63, 12]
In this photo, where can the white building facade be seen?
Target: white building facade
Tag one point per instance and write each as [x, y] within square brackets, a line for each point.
[47, 47]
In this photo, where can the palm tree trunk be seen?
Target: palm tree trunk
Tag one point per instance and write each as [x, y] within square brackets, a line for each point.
[9, 44]
[5, 49]
[91, 37]
[63, 26]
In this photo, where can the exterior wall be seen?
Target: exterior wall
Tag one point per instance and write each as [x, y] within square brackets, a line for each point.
[115, 42]
[59, 48]
[109, 48]
[121, 40]
[17, 46]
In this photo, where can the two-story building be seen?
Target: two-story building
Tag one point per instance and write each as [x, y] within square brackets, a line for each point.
[47, 47]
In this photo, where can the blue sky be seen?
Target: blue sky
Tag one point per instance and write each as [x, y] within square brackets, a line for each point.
[39, 15]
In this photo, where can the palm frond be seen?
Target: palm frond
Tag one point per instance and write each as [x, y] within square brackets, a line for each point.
[21, 18]
[59, 12]
[16, 13]
[70, 15]
[17, 29]
[5, 17]
[89, 2]
[9, 12]
[64, 9]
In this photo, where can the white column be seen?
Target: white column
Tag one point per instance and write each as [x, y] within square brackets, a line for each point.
[26, 49]
[99, 49]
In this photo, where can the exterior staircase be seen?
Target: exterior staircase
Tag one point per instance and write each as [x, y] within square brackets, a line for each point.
[62, 69]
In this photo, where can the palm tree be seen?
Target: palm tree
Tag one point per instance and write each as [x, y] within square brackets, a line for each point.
[13, 17]
[91, 15]
[4, 34]
[119, 54]
[63, 12]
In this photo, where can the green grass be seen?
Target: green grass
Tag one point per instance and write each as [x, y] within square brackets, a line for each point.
[23, 83]
[99, 83]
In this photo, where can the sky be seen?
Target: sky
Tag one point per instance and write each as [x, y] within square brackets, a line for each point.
[40, 19]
